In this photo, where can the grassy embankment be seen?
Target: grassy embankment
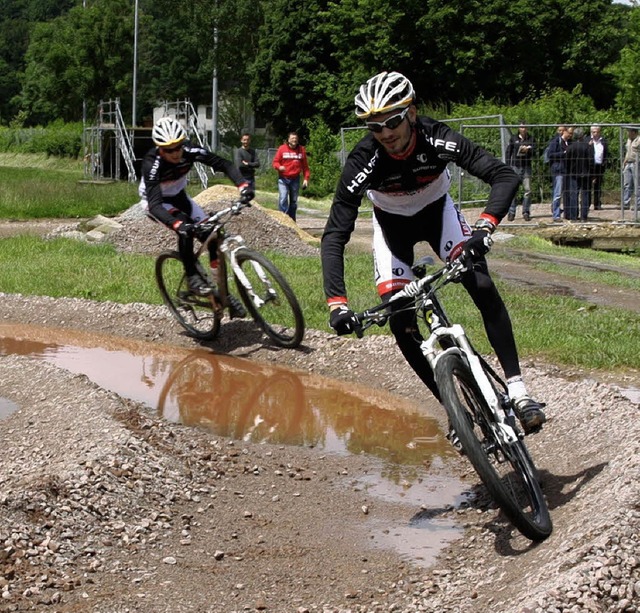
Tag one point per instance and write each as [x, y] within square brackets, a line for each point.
[557, 328]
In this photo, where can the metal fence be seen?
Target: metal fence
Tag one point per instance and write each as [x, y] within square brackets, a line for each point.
[493, 134]
[494, 137]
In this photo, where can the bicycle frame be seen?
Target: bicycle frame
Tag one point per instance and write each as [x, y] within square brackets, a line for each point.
[228, 247]
[424, 291]
[263, 290]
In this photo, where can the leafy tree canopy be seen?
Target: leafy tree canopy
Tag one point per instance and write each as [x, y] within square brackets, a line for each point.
[298, 60]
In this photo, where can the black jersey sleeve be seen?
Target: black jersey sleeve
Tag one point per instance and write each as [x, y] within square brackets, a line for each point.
[454, 147]
[152, 175]
[354, 181]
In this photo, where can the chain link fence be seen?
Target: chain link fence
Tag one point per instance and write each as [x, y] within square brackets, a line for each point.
[491, 133]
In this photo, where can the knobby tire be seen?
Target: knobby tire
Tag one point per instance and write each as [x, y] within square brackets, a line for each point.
[280, 317]
[198, 315]
[517, 492]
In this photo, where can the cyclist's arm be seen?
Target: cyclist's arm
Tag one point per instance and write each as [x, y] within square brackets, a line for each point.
[220, 164]
[336, 235]
[477, 161]
[151, 165]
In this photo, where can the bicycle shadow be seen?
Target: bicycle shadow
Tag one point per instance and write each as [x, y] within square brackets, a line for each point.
[558, 490]
[243, 335]
[554, 486]
[509, 542]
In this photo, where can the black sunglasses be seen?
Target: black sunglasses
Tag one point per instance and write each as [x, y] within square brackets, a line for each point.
[391, 122]
[173, 149]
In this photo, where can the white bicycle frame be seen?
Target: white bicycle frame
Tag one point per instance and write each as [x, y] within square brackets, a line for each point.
[433, 353]
[230, 246]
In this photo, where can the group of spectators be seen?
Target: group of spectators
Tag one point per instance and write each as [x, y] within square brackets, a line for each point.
[577, 164]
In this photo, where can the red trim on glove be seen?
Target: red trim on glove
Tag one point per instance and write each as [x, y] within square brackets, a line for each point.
[336, 300]
[490, 218]
[176, 224]
[456, 252]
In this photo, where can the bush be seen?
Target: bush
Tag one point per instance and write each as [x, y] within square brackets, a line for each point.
[322, 150]
[57, 139]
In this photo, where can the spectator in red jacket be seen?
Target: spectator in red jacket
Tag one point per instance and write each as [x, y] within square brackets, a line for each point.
[291, 161]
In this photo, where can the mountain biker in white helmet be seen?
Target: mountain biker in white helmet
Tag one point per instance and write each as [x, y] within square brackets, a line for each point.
[401, 165]
[165, 169]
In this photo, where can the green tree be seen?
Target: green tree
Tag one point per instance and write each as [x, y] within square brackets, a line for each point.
[178, 49]
[84, 55]
[509, 49]
[324, 164]
[626, 71]
[289, 74]
[18, 19]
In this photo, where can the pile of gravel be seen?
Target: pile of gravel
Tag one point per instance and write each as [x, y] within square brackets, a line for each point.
[262, 229]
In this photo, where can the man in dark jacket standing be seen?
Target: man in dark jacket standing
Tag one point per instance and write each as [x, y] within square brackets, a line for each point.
[246, 160]
[579, 165]
[519, 155]
[557, 158]
[600, 156]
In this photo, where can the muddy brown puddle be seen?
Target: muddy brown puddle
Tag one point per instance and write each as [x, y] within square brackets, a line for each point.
[262, 403]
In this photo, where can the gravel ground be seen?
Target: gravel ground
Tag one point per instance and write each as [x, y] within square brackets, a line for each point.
[105, 508]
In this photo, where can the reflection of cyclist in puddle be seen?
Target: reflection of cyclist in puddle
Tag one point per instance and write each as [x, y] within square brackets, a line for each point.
[238, 399]
[249, 401]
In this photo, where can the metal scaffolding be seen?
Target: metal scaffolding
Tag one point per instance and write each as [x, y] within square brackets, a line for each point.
[107, 144]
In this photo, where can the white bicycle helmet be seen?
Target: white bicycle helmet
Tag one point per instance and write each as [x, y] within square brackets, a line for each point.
[385, 92]
[168, 132]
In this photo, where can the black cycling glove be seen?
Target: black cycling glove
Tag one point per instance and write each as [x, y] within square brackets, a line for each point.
[478, 244]
[247, 195]
[343, 320]
[185, 229]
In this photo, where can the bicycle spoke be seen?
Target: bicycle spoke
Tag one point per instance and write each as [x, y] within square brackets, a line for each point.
[198, 315]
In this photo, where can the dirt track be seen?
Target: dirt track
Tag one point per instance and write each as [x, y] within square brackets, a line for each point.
[137, 514]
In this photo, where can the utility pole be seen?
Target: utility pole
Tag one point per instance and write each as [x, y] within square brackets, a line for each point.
[135, 65]
[214, 94]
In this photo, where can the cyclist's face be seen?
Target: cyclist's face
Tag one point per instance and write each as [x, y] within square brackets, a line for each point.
[173, 155]
[395, 140]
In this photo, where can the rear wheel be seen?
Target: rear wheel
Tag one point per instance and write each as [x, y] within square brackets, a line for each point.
[198, 315]
[505, 468]
[269, 299]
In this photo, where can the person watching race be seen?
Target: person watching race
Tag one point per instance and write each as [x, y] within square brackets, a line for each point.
[401, 165]
[165, 169]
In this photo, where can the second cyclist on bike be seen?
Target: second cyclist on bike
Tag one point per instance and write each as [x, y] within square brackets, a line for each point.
[165, 169]
[401, 165]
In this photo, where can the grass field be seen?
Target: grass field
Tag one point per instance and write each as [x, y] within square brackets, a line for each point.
[557, 328]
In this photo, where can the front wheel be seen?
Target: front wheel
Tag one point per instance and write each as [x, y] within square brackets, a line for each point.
[505, 467]
[200, 316]
[269, 299]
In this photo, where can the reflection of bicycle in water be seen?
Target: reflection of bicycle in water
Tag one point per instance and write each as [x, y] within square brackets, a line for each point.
[254, 402]
[262, 287]
[238, 399]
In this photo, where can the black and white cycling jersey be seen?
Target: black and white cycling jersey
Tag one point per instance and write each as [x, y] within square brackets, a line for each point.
[405, 185]
[163, 184]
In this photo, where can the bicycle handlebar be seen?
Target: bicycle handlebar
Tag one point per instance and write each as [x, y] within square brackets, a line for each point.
[380, 313]
[216, 218]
